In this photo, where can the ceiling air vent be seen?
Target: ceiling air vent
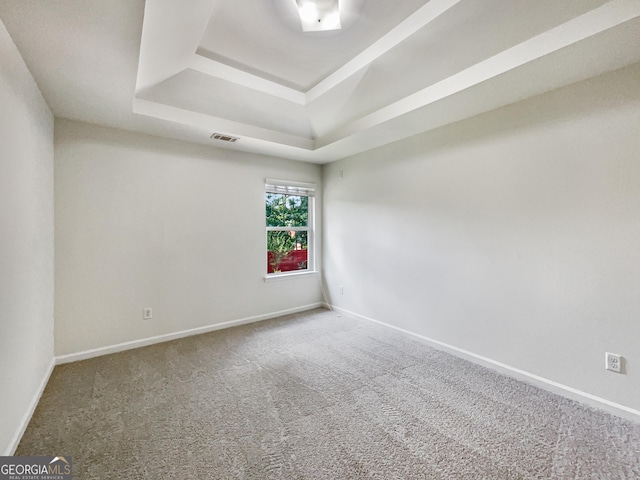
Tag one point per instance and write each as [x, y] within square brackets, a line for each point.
[224, 138]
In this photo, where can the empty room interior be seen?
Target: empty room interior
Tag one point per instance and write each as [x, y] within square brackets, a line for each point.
[321, 239]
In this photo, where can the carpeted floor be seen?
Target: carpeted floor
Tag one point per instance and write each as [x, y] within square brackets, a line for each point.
[317, 396]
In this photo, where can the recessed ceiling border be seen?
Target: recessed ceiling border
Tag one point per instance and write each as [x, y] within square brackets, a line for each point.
[419, 19]
[582, 27]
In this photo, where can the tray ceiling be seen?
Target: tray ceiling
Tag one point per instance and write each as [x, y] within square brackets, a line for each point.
[245, 68]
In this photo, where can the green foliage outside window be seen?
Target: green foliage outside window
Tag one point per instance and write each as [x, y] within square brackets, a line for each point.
[286, 211]
[280, 244]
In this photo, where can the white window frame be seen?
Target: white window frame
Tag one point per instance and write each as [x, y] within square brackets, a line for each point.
[288, 187]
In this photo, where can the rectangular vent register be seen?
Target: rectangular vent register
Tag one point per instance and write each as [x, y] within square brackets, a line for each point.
[224, 138]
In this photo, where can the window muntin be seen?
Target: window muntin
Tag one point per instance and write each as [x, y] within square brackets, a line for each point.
[289, 225]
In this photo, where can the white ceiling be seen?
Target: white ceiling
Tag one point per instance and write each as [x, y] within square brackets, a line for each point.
[273, 47]
[244, 67]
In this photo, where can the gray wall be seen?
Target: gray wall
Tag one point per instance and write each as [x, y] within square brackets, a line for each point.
[26, 243]
[148, 222]
[513, 235]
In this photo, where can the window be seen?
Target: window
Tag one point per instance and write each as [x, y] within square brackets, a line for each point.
[289, 210]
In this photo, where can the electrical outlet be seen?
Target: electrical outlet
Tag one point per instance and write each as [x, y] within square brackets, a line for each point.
[613, 362]
[147, 313]
[341, 173]
[341, 290]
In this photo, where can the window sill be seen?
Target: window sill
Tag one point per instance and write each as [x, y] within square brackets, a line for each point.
[274, 277]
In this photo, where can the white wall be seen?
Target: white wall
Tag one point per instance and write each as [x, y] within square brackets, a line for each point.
[148, 222]
[26, 243]
[514, 235]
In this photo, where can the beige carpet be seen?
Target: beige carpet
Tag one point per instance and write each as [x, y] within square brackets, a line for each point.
[317, 396]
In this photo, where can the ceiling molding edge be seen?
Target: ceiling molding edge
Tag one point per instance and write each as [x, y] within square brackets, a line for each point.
[222, 70]
[580, 28]
[419, 19]
[206, 122]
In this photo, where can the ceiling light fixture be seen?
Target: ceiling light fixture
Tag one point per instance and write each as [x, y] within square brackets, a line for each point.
[319, 15]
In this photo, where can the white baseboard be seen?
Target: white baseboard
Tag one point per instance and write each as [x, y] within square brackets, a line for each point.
[29, 413]
[546, 384]
[97, 352]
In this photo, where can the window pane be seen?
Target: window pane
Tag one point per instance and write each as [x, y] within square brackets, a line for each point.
[287, 251]
[287, 210]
